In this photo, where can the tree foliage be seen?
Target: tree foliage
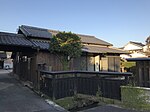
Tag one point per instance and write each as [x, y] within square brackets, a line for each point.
[66, 46]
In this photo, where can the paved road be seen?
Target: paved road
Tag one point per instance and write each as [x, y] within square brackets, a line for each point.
[14, 97]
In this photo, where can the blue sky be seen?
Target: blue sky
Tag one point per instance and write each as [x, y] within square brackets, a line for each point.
[115, 21]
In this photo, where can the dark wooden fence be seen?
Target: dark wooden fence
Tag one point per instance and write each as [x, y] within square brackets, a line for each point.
[63, 84]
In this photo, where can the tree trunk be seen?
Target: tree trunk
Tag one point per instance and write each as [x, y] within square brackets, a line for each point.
[65, 65]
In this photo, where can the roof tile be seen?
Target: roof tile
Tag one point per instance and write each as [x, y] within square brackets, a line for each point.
[47, 33]
[35, 32]
[14, 39]
[41, 44]
[98, 49]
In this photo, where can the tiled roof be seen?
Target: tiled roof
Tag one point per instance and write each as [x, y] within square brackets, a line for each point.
[20, 40]
[137, 43]
[11, 39]
[86, 39]
[93, 40]
[14, 39]
[41, 44]
[138, 59]
[46, 33]
[35, 32]
[98, 49]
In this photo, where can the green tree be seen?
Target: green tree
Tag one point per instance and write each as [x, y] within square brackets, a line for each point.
[66, 46]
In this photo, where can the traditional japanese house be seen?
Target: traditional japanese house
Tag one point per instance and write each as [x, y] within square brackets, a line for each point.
[30, 49]
[97, 54]
[135, 50]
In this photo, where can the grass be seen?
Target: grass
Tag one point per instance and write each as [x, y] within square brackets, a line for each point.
[136, 98]
[81, 101]
[78, 101]
[128, 64]
[67, 102]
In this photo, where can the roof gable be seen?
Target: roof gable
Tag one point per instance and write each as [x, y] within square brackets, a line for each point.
[35, 32]
[133, 46]
[137, 43]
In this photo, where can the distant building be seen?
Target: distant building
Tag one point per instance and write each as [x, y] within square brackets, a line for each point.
[2, 58]
[146, 48]
[5, 60]
[8, 62]
[142, 68]
[135, 50]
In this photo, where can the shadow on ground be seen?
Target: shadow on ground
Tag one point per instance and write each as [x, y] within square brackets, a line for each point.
[14, 97]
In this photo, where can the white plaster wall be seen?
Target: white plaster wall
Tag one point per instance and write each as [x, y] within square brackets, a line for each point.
[124, 56]
[131, 47]
[145, 48]
[136, 54]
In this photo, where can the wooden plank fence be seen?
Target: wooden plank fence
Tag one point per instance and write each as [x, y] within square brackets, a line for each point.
[68, 83]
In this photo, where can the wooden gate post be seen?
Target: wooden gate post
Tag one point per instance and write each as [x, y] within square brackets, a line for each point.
[53, 88]
[38, 80]
[75, 84]
[98, 79]
[126, 80]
